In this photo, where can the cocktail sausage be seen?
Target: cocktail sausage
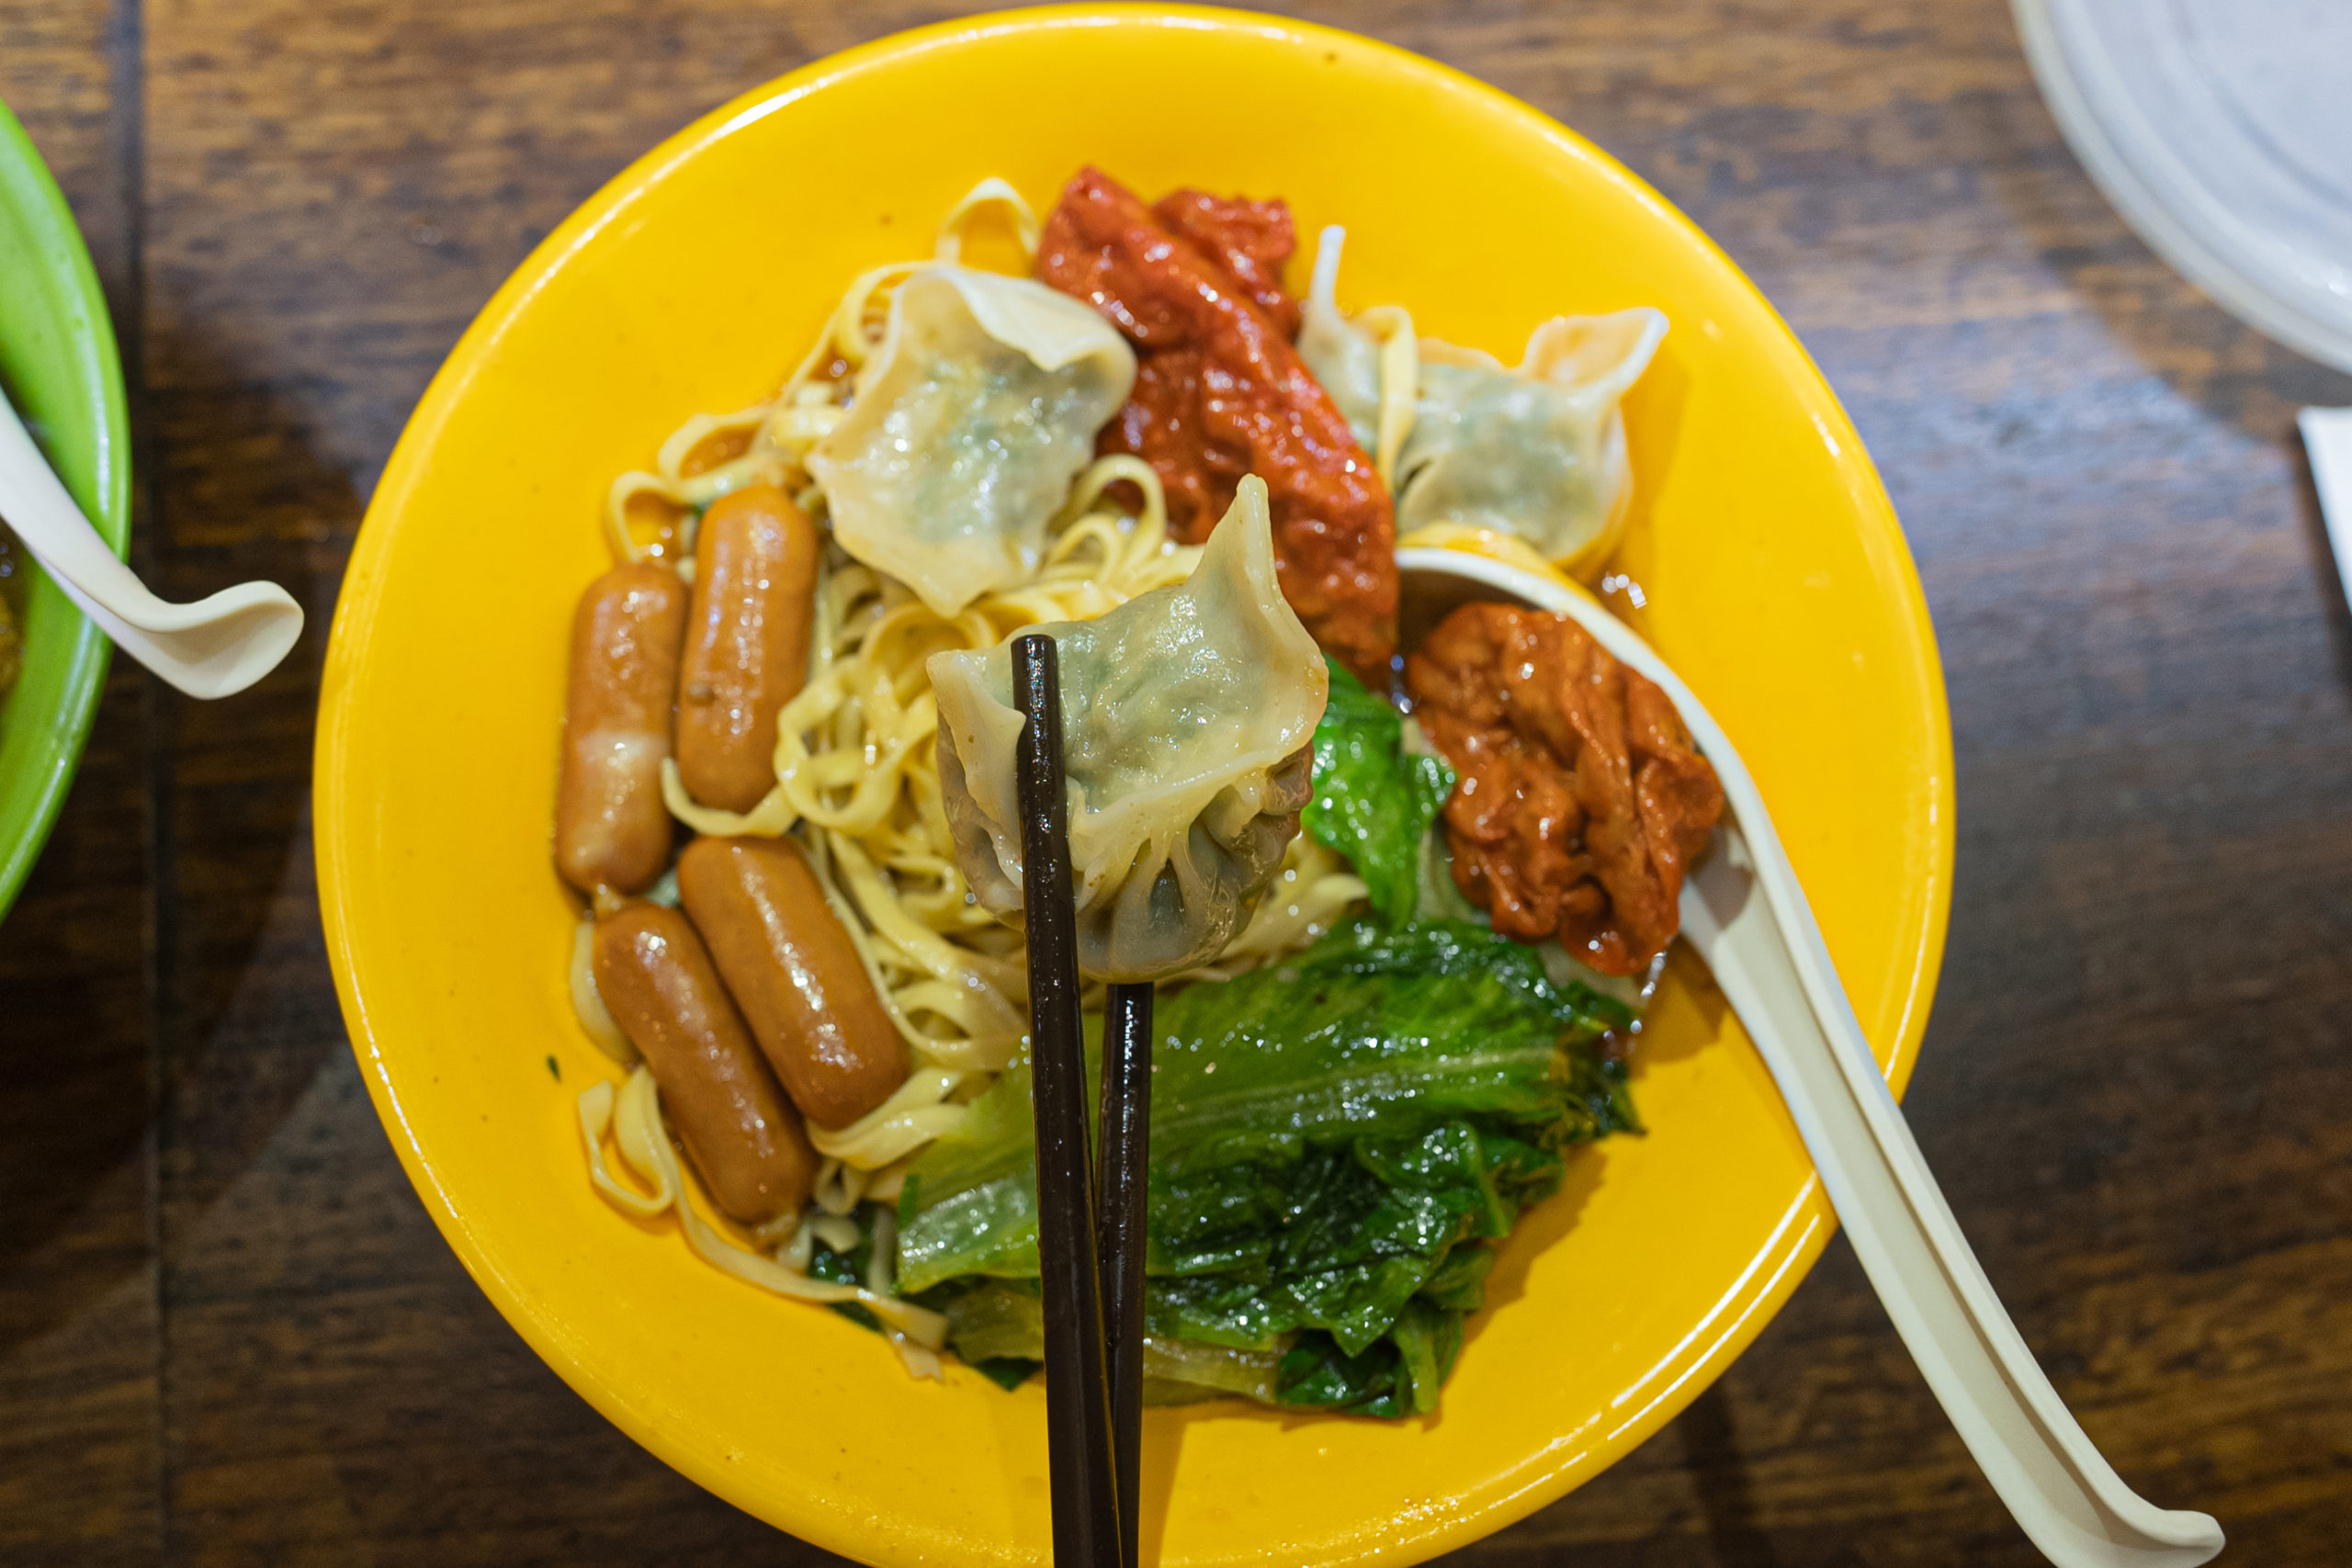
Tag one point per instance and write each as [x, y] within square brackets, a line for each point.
[657, 981]
[793, 971]
[611, 829]
[747, 643]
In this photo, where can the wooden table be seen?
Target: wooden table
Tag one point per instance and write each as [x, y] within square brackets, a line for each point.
[230, 1335]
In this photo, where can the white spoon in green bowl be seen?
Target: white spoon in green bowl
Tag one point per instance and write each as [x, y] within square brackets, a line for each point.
[1747, 916]
[210, 648]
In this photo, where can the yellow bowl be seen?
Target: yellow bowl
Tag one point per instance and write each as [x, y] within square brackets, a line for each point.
[1773, 575]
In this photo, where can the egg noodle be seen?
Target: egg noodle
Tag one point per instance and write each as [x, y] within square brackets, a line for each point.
[857, 776]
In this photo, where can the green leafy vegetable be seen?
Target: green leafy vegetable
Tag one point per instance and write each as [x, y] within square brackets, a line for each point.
[1374, 800]
[1007, 1372]
[1335, 1140]
[849, 1268]
[1000, 1326]
[1398, 1376]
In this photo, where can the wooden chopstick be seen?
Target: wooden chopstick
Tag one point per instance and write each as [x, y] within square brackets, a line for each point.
[1122, 1163]
[1079, 1446]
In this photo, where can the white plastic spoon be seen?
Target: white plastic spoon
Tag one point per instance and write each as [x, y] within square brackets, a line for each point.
[1747, 916]
[210, 649]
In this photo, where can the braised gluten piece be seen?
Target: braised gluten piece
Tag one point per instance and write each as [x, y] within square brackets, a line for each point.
[1220, 392]
[1581, 801]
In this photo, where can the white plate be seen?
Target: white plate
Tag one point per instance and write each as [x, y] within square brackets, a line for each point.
[2222, 131]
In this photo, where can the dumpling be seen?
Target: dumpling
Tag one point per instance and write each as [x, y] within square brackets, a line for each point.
[969, 425]
[1537, 452]
[1187, 715]
[1338, 350]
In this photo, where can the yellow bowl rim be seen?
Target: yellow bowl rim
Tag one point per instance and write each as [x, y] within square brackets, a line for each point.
[1795, 1243]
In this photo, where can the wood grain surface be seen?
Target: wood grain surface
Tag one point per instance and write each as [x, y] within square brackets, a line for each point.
[230, 1335]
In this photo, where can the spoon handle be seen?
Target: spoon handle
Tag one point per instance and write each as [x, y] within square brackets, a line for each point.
[210, 648]
[1745, 912]
[37, 506]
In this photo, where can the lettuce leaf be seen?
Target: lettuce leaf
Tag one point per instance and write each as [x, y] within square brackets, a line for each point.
[1335, 1140]
[1002, 1325]
[849, 1268]
[1398, 1376]
[1374, 800]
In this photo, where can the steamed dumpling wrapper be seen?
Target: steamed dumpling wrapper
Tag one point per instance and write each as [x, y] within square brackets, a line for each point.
[1346, 356]
[1187, 718]
[969, 424]
[1536, 452]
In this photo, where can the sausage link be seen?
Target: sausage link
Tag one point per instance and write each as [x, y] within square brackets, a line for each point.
[611, 829]
[747, 642]
[655, 979]
[793, 971]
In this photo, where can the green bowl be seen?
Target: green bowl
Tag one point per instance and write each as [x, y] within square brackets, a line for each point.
[58, 367]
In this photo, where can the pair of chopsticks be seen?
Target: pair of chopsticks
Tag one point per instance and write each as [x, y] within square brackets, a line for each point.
[1090, 1215]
